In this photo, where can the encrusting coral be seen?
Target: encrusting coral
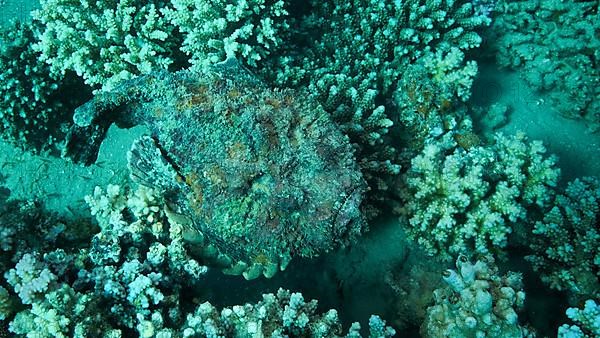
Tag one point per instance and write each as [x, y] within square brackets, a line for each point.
[557, 47]
[477, 302]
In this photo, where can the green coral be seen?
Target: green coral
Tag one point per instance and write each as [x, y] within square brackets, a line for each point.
[41, 322]
[134, 277]
[115, 40]
[284, 314]
[214, 30]
[104, 41]
[6, 304]
[428, 90]
[556, 47]
[353, 54]
[33, 113]
[587, 322]
[462, 197]
[566, 241]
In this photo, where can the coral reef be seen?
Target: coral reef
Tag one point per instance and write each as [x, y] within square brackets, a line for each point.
[566, 241]
[462, 197]
[29, 279]
[352, 110]
[587, 322]
[126, 38]
[6, 305]
[412, 287]
[476, 302]
[356, 56]
[215, 30]
[33, 112]
[131, 278]
[26, 228]
[555, 45]
[283, 314]
[488, 120]
[429, 89]
[260, 174]
[107, 42]
[39, 248]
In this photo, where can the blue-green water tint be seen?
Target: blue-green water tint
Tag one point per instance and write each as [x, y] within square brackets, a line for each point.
[394, 85]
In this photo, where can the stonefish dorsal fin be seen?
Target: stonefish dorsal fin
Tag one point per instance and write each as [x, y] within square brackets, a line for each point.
[233, 69]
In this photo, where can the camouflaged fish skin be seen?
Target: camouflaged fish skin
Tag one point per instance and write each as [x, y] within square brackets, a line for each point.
[263, 174]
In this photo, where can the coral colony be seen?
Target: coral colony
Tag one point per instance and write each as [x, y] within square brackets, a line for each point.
[277, 136]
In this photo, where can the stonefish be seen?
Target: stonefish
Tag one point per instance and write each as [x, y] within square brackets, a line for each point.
[261, 174]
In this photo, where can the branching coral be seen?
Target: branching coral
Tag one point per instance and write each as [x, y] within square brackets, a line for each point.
[462, 197]
[133, 278]
[245, 177]
[359, 53]
[26, 227]
[114, 40]
[214, 30]
[476, 302]
[425, 97]
[556, 45]
[131, 218]
[104, 41]
[30, 236]
[566, 241]
[34, 115]
[6, 304]
[587, 322]
[133, 265]
[283, 314]
[30, 279]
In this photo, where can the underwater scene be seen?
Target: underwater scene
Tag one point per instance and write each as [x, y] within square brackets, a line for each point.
[286, 168]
